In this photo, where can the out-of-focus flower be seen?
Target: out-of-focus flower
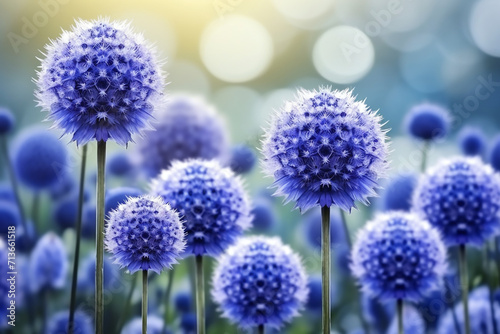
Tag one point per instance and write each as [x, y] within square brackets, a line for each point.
[59, 322]
[7, 121]
[398, 193]
[413, 323]
[242, 159]
[119, 164]
[9, 216]
[99, 81]
[259, 281]
[472, 141]
[495, 154]
[312, 229]
[398, 256]
[263, 214]
[4, 284]
[460, 197]
[211, 201]
[325, 148]
[314, 297]
[89, 221]
[183, 301]
[64, 186]
[187, 128]
[39, 158]
[66, 212]
[377, 314]
[117, 196]
[155, 326]
[188, 323]
[86, 278]
[144, 233]
[6, 193]
[427, 121]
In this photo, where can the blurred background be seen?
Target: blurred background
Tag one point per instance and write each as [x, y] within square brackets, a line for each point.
[246, 57]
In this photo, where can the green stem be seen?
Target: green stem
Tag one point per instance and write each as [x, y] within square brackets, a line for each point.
[200, 295]
[78, 230]
[144, 301]
[491, 286]
[14, 183]
[325, 269]
[399, 305]
[425, 151]
[167, 298]
[464, 279]
[128, 303]
[261, 329]
[496, 244]
[101, 170]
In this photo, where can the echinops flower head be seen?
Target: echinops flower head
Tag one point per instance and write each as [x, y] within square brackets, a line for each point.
[7, 121]
[187, 128]
[325, 148]
[210, 199]
[398, 192]
[461, 198]
[264, 217]
[259, 281]
[119, 195]
[59, 323]
[472, 141]
[242, 159]
[398, 256]
[427, 121]
[144, 233]
[120, 164]
[99, 81]
[48, 263]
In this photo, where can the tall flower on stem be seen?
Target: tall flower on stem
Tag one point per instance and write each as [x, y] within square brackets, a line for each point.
[99, 81]
[461, 198]
[145, 234]
[215, 209]
[323, 149]
[398, 256]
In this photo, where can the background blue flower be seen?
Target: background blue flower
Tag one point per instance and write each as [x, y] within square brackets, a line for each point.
[58, 323]
[155, 326]
[7, 121]
[412, 322]
[427, 121]
[398, 192]
[472, 141]
[242, 158]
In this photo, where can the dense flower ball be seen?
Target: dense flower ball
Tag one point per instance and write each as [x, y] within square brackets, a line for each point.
[7, 121]
[117, 196]
[210, 199]
[48, 263]
[495, 154]
[183, 301]
[427, 121]
[413, 323]
[119, 164]
[259, 281]
[187, 128]
[155, 326]
[39, 158]
[242, 159]
[86, 276]
[461, 197]
[312, 229]
[263, 214]
[325, 148]
[99, 81]
[9, 216]
[144, 233]
[398, 193]
[398, 256]
[472, 141]
[377, 314]
[59, 322]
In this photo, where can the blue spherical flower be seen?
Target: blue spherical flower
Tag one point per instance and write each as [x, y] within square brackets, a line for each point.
[325, 148]
[4, 284]
[39, 158]
[65, 212]
[117, 196]
[86, 277]
[48, 263]
[59, 322]
[398, 256]
[377, 314]
[242, 159]
[6, 193]
[99, 81]
[398, 192]
[187, 128]
[210, 199]
[259, 281]
[183, 301]
[65, 186]
[7, 121]
[427, 121]
[413, 323]
[472, 141]
[188, 323]
[89, 221]
[263, 214]
[9, 216]
[25, 238]
[134, 326]
[495, 154]
[312, 229]
[144, 233]
[119, 164]
[461, 197]
[480, 317]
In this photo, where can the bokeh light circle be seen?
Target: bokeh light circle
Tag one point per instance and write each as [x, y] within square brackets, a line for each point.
[485, 26]
[303, 9]
[343, 54]
[236, 48]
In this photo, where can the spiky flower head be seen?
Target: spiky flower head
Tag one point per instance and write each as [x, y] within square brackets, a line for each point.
[39, 158]
[211, 201]
[242, 159]
[155, 326]
[144, 233]
[398, 256]
[461, 197]
[427, 121]
[7, 121]
[398, 193]
[472, 141]
[119, 195]
[99, 81]
[325, 148]
[59, 323]
[259, 281]
[413, 322]
[48, 263]
[188, 127]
